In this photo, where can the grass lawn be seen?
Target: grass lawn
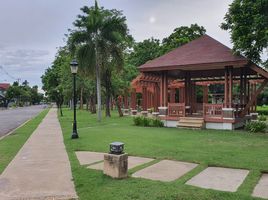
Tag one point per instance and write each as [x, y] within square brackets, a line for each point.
[237, 149]
[10, 145]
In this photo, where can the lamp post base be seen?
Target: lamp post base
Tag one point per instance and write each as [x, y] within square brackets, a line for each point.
[75, 135]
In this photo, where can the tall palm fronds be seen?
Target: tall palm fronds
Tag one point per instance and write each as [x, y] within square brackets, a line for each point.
[98, 42]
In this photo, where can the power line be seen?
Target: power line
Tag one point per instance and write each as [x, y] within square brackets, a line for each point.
[10, 76]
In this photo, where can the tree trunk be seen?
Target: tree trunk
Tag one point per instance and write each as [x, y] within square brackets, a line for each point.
[119, 109]
[112, 104]
[81, 99]
[92, 104]
[87, 104]
[119, 103]
[61, 114]
[98, 91]
[108, 92]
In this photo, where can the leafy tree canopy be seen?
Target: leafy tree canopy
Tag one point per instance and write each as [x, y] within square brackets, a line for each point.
[153, 48]
[247, 21]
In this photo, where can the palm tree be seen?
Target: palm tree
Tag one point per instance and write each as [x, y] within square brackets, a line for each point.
[99, 41]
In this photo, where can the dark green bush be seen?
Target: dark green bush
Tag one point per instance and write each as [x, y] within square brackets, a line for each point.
[157, 123]
[146, 122]
[138, 121]
[262, 112]
[262, 118]
[255, 126]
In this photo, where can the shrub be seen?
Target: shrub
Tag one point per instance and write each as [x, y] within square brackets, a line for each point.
[262, 112]
[255, 126]
[262, 118]
[157, 123]
[146, 122]
[138, 121]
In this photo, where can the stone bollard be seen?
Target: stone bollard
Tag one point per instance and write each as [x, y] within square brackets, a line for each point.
[116, 166]
[116, 162]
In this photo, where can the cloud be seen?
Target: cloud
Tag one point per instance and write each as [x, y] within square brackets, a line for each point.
[22, 57]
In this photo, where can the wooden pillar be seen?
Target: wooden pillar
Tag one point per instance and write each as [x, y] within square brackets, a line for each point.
[126, 102]
[181, 93]
[187, 89]
[230, 86]
[156, 97]
[205, 94]
[241, 86]
[193, 97]
[226, 87]
[172, 95]
[255, 103]
[144, 98]
[165, 100]
[133, 99]
[245, 89]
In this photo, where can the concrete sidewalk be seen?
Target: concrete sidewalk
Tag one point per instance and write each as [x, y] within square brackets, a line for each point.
[41, 169]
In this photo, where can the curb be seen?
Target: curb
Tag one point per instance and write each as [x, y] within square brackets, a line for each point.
[12, 131]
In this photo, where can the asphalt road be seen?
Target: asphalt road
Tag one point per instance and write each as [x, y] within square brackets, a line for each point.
[13, 118]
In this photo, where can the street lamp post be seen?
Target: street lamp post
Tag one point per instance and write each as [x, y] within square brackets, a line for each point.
[74, 68]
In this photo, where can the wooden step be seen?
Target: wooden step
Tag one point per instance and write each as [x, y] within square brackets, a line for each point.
[198, 126]
[191, 122]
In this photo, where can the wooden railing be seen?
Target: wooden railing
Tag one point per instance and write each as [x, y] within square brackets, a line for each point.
[176, 109]
[212, 111]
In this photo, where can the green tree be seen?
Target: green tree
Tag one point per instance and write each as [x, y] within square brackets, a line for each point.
[98, 41]
[181, 36]
[247, 21]
[56, 78]
[145, 51]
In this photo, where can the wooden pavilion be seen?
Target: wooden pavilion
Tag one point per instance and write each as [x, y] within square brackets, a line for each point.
[169, 85]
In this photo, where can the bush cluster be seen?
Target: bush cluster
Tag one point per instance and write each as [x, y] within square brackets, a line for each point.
[255, 126]
[262, 112]
[146, 122]
[262, 118]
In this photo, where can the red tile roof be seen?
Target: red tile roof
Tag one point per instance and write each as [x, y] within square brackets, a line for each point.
[203, 50]
[4, 86]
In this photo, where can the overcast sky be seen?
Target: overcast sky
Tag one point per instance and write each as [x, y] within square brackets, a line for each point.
[31, 30]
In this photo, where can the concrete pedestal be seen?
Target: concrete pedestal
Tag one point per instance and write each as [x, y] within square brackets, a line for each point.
[116, 165]
[155, 114]
[254, 116]
[144, 113]
[163, 110]
[134, 112]
[126, 111]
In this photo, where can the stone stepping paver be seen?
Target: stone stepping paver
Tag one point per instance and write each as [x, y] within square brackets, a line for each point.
[223, 179]
[133, 161]
[261, 189]
[165, 170]
[87, 157]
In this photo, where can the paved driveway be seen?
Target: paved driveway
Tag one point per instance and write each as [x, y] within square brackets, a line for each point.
[12, 118]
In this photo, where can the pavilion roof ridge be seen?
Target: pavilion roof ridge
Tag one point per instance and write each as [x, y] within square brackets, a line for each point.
[202, 50]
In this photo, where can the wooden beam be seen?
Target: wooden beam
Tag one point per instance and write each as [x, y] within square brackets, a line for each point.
[253, 97]
[259, 70]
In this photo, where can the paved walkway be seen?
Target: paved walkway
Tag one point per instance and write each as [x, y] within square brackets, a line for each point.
[41, 169]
